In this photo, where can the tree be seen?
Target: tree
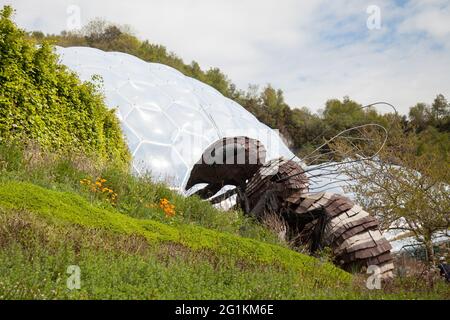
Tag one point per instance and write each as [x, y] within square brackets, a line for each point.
[439, 108]
[94, 30]
[419, 116]
[306, 130]
[407, 190]
[273, 103]
[218, 80]
[437, 115]
[340, 115]
[440, 113]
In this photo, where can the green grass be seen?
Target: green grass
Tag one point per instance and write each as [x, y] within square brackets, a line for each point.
[130, 250]
[138, 197]
[44, 231]
[67, 207]
[179, 261]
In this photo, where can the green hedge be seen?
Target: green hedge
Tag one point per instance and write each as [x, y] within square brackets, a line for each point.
[41, 100]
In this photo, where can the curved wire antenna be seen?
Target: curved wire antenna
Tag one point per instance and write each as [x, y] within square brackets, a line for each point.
[348, 155]
[330, 168]
[327, 167]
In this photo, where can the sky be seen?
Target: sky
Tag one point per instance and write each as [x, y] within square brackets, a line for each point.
[378, 50]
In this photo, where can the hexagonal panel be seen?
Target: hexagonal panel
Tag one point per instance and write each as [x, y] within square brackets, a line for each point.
[161, 162]
[152, 125]
[190, 147]
[145, 95]
[183, 95]
[130, 136]
[114, 99]
[188, 119]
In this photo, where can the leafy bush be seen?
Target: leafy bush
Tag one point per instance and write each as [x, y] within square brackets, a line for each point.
[41, 100]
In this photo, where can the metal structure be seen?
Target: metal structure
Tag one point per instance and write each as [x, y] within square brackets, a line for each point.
[170, 121]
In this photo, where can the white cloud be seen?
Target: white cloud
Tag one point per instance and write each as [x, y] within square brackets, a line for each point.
[431, 17]
[313, 50]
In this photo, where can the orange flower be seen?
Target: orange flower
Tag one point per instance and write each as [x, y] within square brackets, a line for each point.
[168, 208]
[98, 187]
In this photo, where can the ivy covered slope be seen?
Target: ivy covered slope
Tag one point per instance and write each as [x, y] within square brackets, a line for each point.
[41, 100]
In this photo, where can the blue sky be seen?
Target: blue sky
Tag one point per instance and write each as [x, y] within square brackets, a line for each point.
[313, 50]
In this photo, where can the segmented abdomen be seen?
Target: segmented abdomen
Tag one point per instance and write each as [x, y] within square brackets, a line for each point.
[319, 219]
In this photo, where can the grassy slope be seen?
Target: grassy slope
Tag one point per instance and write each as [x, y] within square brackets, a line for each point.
[198, 262]
[43, 231]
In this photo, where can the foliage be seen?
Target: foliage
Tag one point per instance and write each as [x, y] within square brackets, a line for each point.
[99, 187]
[407, 187]
[437, 115]
[41, 100]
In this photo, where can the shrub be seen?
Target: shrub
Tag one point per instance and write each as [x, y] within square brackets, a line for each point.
[43, 101]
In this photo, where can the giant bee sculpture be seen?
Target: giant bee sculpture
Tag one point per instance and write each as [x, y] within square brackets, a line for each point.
[280, 187]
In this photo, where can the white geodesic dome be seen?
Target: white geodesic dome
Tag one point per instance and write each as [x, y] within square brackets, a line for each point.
[168, 119]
